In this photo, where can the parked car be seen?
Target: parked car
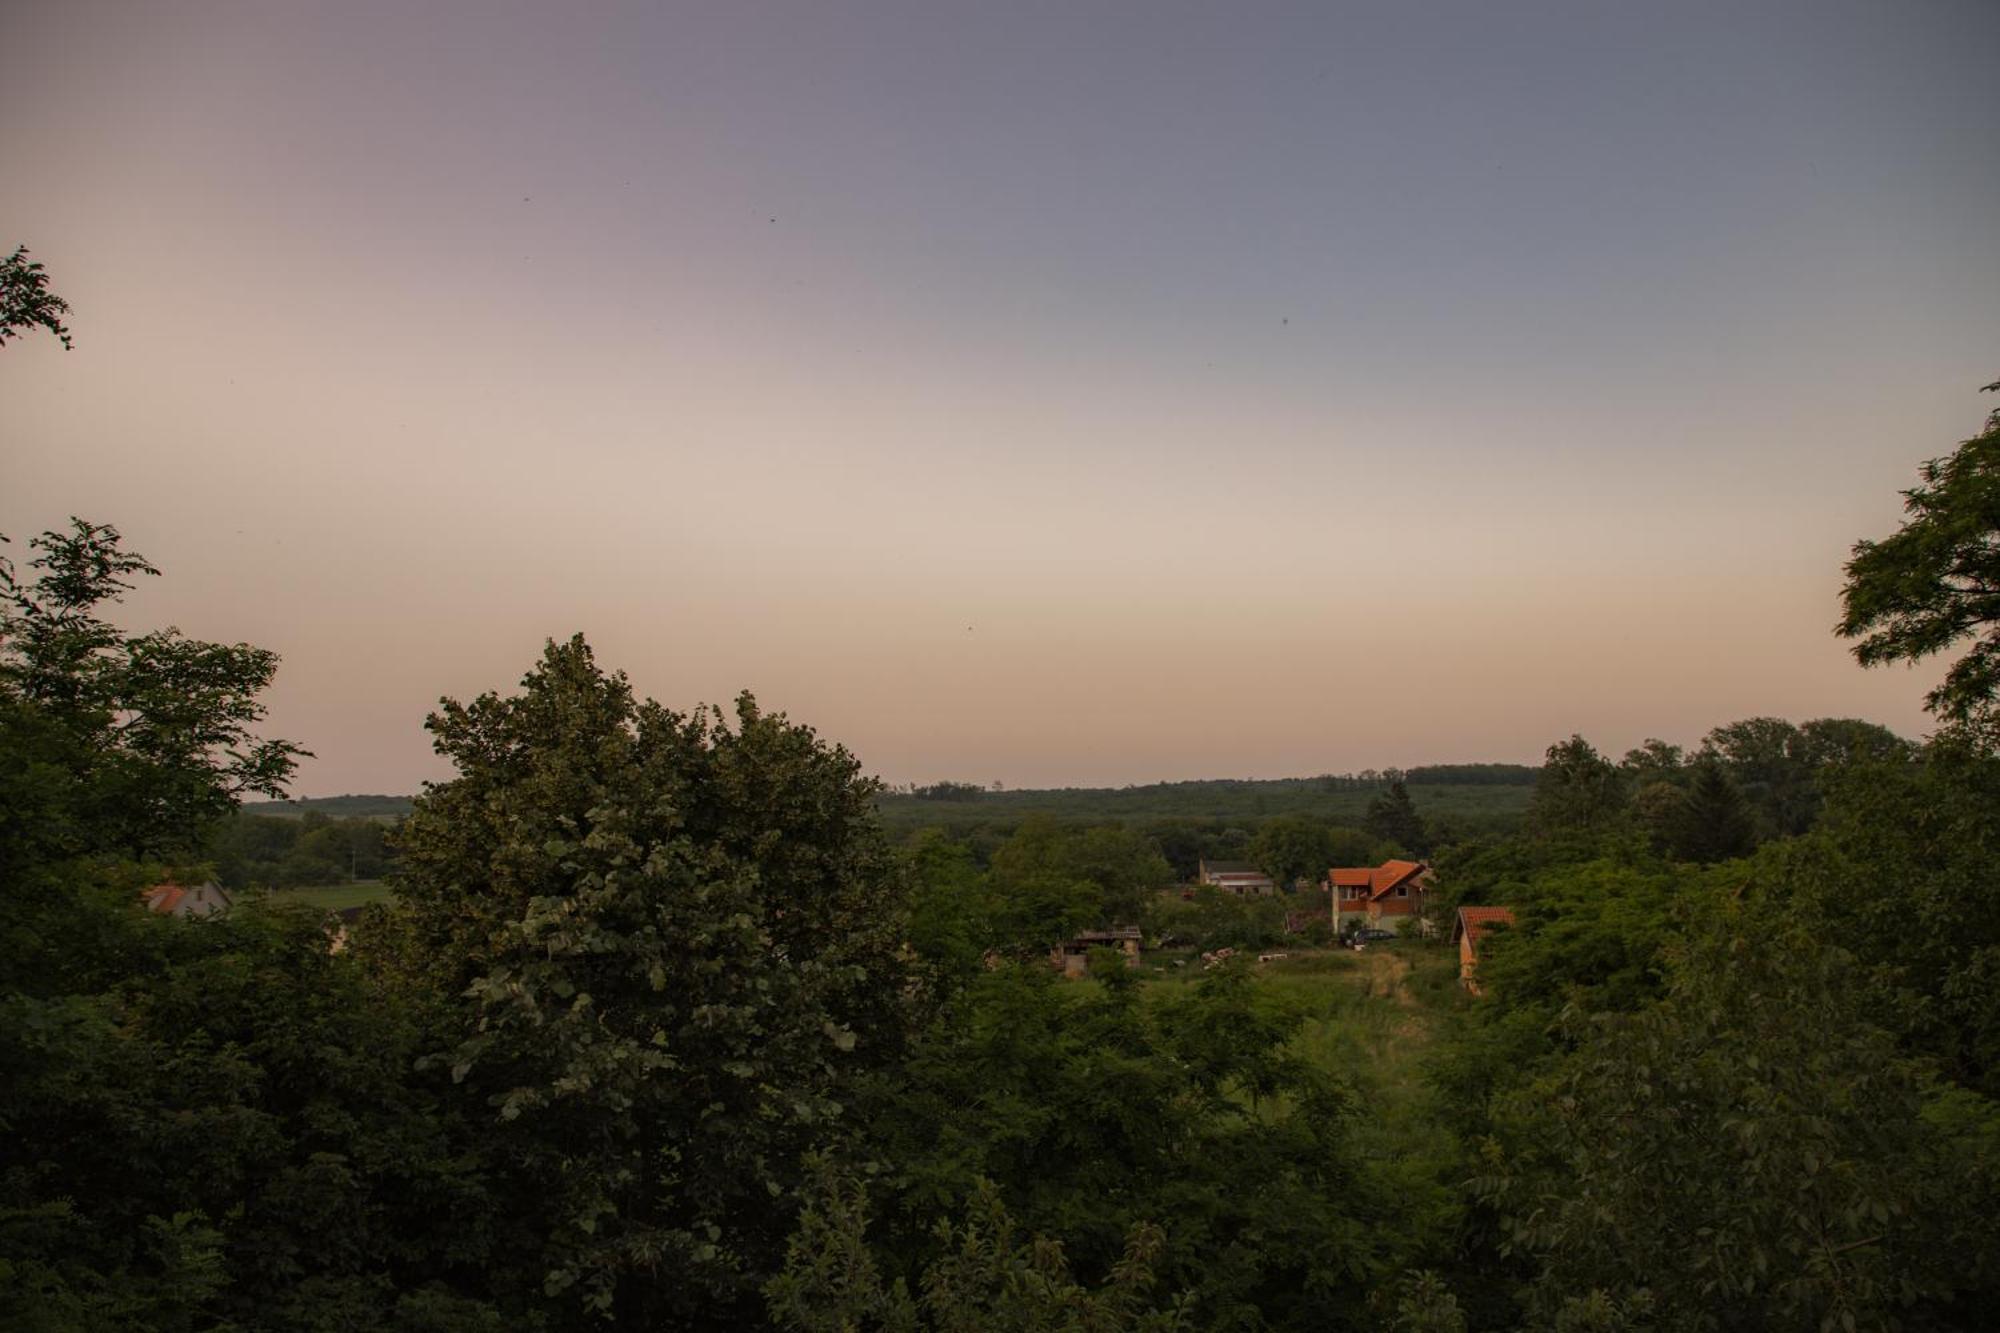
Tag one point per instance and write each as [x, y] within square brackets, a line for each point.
[1370, 935]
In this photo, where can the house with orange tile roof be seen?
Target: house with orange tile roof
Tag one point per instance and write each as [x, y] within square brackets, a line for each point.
[203, 899]
[1473, 925]
[1387, 896]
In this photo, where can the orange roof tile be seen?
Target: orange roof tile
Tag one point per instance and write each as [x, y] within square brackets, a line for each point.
[1378, 880]
[165, 897]
[1474, 921]
[1391, 873]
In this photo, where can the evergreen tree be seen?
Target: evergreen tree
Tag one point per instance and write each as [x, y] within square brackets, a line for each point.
[1711, 821]
[1392, 816]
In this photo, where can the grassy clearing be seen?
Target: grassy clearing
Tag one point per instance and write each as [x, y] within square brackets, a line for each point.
[333, 897]
[1369, 1019]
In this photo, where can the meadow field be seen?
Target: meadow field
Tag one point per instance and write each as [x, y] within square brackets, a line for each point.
[334, 897]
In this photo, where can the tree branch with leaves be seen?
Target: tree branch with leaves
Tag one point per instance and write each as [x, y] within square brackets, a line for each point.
[26, 303]
[1936, 582]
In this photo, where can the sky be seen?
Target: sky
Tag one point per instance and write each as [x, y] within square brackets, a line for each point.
[1047, 394]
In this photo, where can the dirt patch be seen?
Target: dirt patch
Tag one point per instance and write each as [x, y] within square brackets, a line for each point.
[1388, 976]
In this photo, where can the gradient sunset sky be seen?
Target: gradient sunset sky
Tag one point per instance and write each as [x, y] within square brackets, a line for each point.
[1043, 393]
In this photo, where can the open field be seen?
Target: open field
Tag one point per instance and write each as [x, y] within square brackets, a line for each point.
[333, 897]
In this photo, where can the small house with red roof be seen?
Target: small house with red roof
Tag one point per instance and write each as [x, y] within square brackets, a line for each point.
[1473, 925]
[1384, 896]
[203, 899]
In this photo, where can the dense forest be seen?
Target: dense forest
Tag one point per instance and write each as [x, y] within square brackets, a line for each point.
[674, 1023]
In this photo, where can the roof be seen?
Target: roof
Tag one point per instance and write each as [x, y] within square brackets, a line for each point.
[1378, 880]
[1474, 922]
[166, 897]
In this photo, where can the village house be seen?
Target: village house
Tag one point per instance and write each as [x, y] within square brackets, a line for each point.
[1472, 926]
[203, 899]
[1237, 877]
[1385, 896]
[1072, 956]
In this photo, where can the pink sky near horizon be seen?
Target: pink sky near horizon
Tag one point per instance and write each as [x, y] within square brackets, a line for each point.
[1017, 400]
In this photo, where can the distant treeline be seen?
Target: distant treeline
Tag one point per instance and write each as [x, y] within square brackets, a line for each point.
[334, 807]
[294, 851]
[1217, 818]
[1473, 775]
[1203, 797]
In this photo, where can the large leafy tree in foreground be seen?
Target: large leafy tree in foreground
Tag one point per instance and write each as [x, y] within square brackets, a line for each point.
[677, 942]
[1750, 1152]
[1936, 582]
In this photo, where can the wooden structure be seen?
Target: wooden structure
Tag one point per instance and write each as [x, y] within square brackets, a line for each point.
[1072, 956]
[1237, 877]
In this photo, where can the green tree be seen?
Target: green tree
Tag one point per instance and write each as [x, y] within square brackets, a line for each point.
[1577, 791]
[157, 730]
[113, 748]
[951, 916]
[1291, 848]
[1751, 1152]
[1038, 870]
[1710, 821]
[209, 1124]
[1780, 767]
[1904, 869]
[1392, 817]
[1654, 761]
[1092, 1112]
[678, 943]
[986, 1276]
[1936, 582]
[26, 303]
